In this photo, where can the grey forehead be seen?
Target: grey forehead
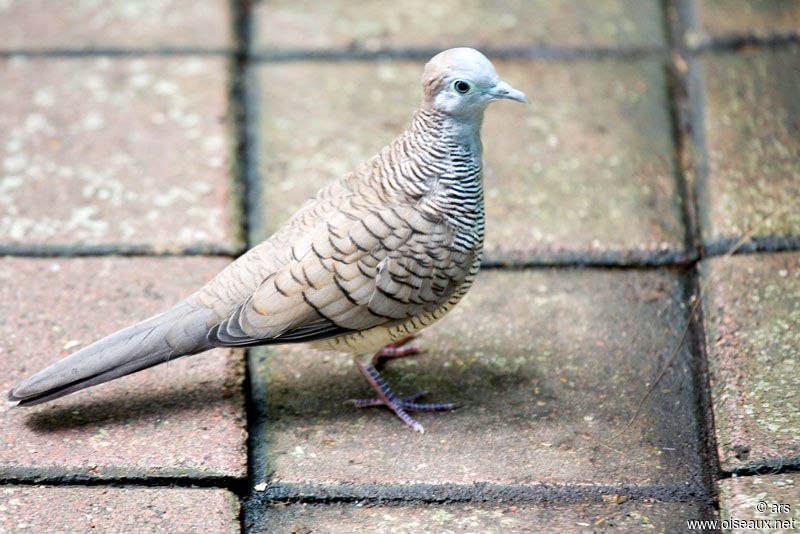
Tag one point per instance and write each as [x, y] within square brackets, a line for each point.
[476, 69]
[481, 76]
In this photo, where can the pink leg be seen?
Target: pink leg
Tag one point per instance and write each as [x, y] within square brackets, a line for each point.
[386, 396]
[409, 403]
[395, 350]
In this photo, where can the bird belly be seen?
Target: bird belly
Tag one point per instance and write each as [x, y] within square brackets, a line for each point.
[372, 340]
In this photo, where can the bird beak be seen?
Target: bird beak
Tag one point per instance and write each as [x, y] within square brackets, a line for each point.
[503, 90]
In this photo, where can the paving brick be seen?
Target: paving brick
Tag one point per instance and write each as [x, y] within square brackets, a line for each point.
[366, 105]
[575, 175]
[88, 24]
[374, 25]
[728, 18]
[752, 320]
[774, 498]
[549, 166]
[184, 418]
[548, 368]
[753, 138]
[629, 516]
[107, 509]
[138, 147]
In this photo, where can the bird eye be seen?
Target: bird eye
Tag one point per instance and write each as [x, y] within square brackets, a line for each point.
[462, 87]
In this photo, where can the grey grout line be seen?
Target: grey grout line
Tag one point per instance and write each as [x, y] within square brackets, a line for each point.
[239, 118]
[756, 244]
[566, 260]
[246, 122]
[696, 147]
[703, 402]
[716, 45]
[252, 176]
[736, 42]
[668, 260]
[413, 493]
[680, 17]
[680, 115]
[539, 52]
[475, 493]
[731, 43]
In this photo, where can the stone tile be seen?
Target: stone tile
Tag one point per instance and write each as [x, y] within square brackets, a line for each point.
[88, 25]
[752, 320]
[725, 18]
[628, 516]
[109, 509]
[575, 175]
[753, 139]
[549, 166]
[348, 24]
[548, 367]
[774, 500]
[184, 418]
[110, 151]
[318, 121]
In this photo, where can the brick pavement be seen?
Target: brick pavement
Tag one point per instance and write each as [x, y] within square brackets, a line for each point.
[143, 143]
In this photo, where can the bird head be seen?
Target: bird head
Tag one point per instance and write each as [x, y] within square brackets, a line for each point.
[461, 82]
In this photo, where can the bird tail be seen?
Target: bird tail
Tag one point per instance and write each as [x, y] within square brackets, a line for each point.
[177, 332]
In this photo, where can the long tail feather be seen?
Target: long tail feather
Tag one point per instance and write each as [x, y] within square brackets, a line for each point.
[177, 332]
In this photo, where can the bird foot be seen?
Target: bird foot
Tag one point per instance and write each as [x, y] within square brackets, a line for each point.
[400, 406]
[407, 403]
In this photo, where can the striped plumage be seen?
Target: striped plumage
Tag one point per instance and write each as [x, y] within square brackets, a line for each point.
[375, 256]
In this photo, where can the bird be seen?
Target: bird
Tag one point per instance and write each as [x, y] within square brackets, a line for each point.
[374, 257]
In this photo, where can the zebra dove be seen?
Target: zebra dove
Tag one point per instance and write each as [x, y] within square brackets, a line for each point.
[374, 257]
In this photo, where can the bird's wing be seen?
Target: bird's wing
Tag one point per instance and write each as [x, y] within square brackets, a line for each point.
[357, 269]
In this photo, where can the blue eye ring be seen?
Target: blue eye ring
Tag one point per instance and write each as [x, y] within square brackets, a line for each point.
[462, 87]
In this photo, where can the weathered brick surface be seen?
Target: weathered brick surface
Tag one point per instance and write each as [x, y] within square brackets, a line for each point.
[752, 318]
[548, 368]
[773, 499]
[737, 18]
[499, 518]
[293, 25]
[108, 509]
[301, 149]
[550, 168]
[181, 419]
[132, 152]
[572, 176]
[753, 139]
[88, 25]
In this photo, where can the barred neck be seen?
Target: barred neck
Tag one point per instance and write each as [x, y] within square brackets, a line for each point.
[435, 152]
[435, 125]
[446, 170]
[436, 164]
